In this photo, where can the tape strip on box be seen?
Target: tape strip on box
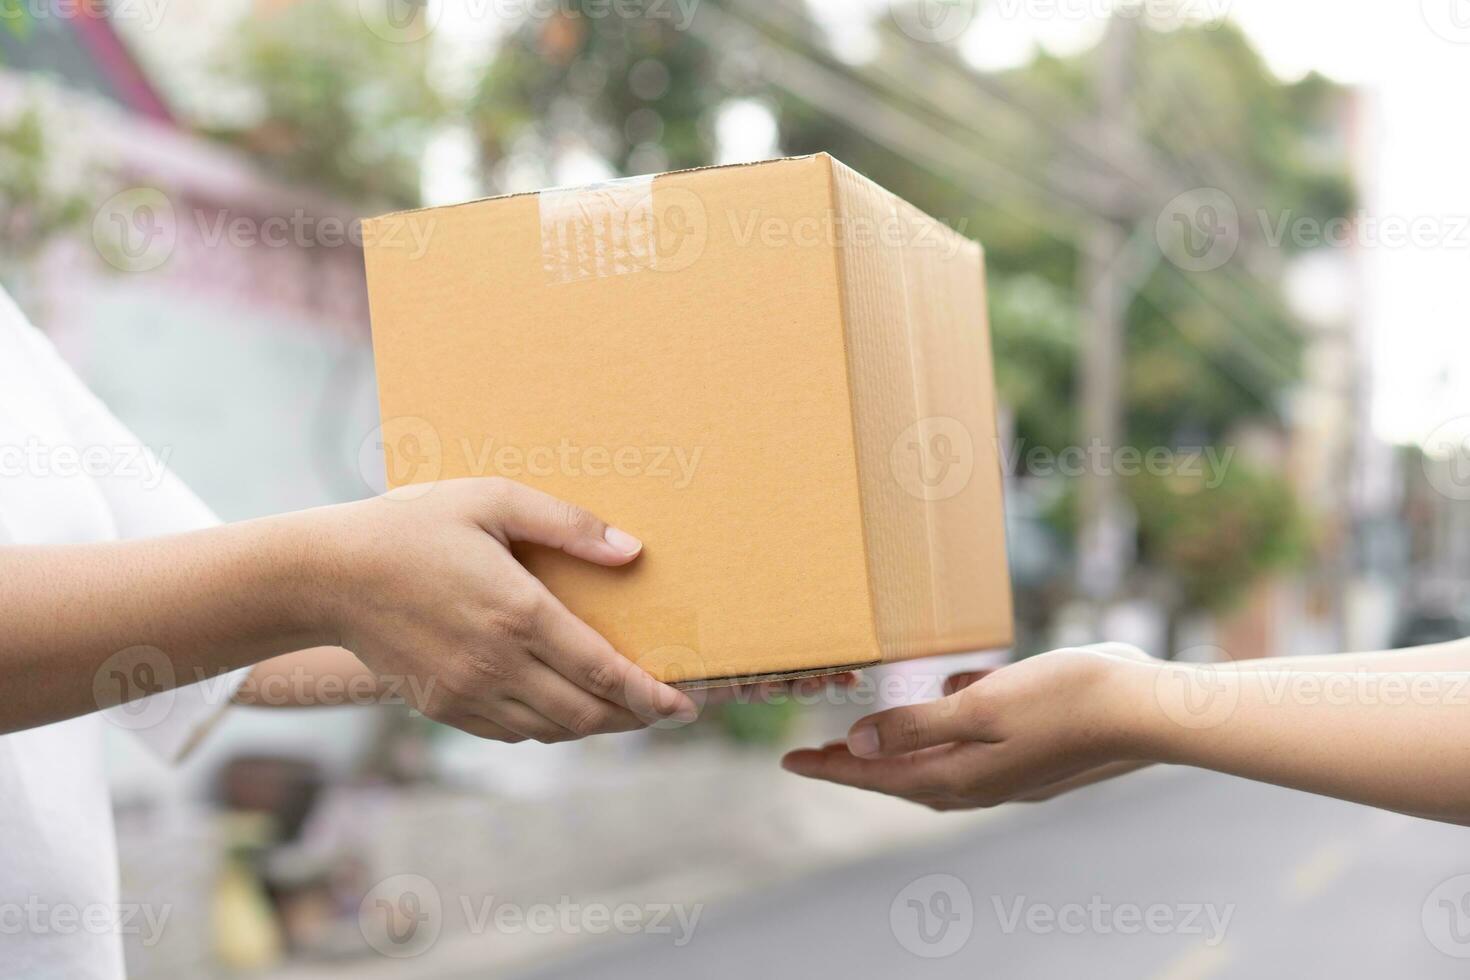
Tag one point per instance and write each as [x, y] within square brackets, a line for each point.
[599, 230]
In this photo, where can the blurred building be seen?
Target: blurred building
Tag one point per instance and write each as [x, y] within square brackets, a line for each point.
[1345, 475]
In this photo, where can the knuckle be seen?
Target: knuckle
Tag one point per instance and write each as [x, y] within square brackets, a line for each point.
[486, 673]
[517, 615]
[907, 730]
[528, 605]
[974, 702]
[576, 519]
[603, 680]
[591, 721]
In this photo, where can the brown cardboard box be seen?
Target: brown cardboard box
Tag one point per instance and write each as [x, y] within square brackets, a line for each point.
[777, 375]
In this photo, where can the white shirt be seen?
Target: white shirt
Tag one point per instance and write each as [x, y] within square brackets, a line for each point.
[70, 473]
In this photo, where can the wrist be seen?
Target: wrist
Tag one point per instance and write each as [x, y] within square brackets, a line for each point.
[1130, 706]
[1180, 702]
[312, 577]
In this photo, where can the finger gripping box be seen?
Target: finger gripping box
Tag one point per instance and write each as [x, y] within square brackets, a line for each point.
[777, 375]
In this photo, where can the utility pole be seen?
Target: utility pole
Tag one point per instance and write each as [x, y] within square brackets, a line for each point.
[1103, 526]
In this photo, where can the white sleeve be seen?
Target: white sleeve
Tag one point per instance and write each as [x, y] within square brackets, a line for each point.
[145, 500]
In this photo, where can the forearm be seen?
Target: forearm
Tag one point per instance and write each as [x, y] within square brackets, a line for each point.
[1451, 656]
[1439, 657]
[206, 602]
[1392, 740]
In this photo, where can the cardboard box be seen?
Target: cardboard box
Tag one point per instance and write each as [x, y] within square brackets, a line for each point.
[777, 375]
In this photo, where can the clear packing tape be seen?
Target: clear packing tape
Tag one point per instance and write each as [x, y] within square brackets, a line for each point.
[614, 229]
[598, 230]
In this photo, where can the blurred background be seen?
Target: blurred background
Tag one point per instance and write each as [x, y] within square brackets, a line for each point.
[1225, 236]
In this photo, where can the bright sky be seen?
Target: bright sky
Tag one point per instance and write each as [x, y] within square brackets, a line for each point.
[1412, 58]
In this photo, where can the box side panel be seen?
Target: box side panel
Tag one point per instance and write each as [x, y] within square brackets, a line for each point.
[959, 445]
[924, 412]
[880, 366]
[672, 362]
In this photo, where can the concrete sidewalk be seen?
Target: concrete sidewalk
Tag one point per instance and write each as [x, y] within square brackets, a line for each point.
[680, 828]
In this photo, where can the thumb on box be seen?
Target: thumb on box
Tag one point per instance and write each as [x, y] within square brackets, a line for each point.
[524, 514]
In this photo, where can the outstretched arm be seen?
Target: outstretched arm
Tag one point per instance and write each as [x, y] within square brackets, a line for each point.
[424, 591]
[1368, 732]
[1450, 656]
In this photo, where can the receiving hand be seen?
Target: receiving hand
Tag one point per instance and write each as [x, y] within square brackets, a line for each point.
[1028, 730]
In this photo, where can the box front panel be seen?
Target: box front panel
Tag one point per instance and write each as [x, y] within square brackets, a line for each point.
[672, 361]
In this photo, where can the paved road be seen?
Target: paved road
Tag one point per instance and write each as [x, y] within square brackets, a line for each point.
[1180, 876]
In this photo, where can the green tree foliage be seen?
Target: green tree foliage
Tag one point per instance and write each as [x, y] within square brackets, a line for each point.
[1212, 542]
[1034, 337]
[334, 104]
[1204, 535]
[634, 89]
[35, 206]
